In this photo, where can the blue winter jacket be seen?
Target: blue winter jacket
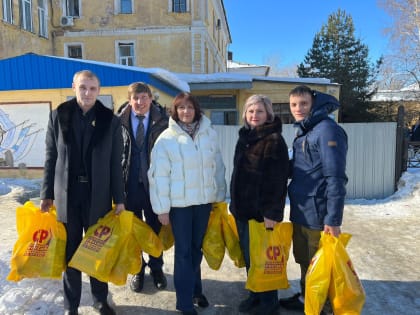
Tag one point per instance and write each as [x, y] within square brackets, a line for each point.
[317, 189]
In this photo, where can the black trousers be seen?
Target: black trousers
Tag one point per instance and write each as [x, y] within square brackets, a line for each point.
[77, 223]
[139, 203]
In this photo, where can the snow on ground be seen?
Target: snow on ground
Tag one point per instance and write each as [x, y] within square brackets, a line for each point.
[407, 190]
[44, 297]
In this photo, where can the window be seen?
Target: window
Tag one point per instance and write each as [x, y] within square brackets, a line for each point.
[26, 15]
[179, 6]
[283, 111]
[125, 6]
[224, 117]
[72, 8]
[125, 54]
[8, 11]
[42, 18]
[222, 108]
[73, 50]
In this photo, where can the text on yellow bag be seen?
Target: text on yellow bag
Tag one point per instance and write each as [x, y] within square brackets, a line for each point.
[41, 245]
[269, 253]
[111, 248]
[100, 247]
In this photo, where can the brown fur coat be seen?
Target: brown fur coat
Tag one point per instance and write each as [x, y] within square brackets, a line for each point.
[259, 179]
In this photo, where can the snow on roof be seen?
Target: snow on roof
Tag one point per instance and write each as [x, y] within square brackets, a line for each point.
[241, 77]
[411, 87]
[408, 93]
[236, 64]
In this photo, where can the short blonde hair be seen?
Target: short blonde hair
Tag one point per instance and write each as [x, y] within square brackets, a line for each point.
[262, 99]
[87, 74]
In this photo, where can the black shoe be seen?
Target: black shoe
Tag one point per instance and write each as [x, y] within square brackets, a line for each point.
[104, 308]
[71, 312]
[159, 279]
[248, 304]
[192, 312]
[292, 303]
[200, 300]
[137, 282]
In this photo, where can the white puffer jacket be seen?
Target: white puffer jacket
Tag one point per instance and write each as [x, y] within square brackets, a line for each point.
[185, 172]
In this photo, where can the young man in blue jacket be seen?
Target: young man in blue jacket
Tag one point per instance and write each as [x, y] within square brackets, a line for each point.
[317, 189]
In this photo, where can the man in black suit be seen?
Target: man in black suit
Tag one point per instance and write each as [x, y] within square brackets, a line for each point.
[82, 176]
[143, 121]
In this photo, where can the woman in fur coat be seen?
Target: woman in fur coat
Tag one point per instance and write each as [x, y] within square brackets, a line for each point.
[259, 184]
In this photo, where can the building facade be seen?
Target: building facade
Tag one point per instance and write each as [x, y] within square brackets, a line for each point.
[222, 95]
[189, 36]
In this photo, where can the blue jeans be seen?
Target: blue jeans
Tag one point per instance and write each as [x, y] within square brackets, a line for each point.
[267, 297]
[189, 225]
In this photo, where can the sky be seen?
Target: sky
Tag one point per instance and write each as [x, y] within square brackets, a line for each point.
[284, 30]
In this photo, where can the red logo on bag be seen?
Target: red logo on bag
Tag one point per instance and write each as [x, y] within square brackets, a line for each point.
[41, 236]
[273, 252]
[103, 232]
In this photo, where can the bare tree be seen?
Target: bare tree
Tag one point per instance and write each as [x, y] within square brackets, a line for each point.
[277, 69]
[405, 42]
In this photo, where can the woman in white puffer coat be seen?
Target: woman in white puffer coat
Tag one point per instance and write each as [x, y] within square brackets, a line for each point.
[186, 176]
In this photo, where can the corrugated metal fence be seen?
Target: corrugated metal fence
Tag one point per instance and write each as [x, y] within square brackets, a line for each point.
[370, 158]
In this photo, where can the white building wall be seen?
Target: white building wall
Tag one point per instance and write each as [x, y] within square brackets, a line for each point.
[370, 157]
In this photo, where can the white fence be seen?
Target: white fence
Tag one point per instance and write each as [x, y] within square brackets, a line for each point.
[370, 158]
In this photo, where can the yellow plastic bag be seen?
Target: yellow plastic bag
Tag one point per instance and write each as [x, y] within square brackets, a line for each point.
[346, 292]
[166, 236]
[128, 261]
[213, 243]
[129, 257]
[331, 274]
[231, 238]
[318, 276]
[147, 239]
[41, 245]
[101, 245]
[269, 253]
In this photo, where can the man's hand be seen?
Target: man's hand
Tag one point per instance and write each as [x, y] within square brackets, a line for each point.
[46, 205]
[164, 218]
[269, 224]
[333, 230]
[119, 207]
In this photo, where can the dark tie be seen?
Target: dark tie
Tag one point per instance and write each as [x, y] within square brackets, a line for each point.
[140, 131]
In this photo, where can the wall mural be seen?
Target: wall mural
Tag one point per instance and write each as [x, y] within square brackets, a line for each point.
[22, 134]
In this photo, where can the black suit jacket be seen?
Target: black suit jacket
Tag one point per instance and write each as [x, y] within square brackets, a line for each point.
[104, 168]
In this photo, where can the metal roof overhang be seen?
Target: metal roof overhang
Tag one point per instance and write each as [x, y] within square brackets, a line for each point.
[202, 86]
[33, 72]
